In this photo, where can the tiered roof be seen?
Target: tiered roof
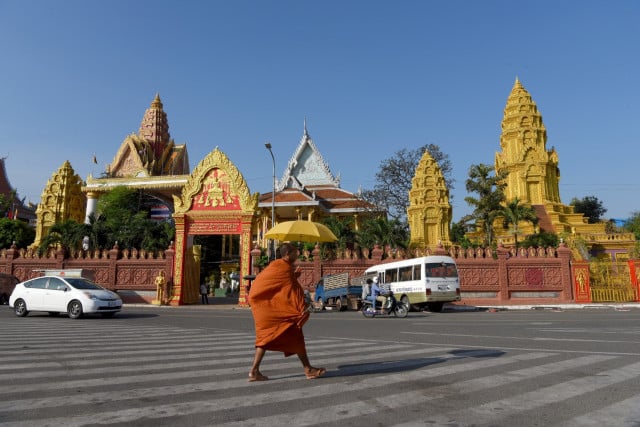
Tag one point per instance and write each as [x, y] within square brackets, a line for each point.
[308, 183]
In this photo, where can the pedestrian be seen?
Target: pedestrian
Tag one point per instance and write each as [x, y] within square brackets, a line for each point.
[234, 281]
[204, 293]
[223, 282]
[278, 307]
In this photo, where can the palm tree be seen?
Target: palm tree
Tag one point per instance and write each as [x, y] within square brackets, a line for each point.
[514, 213]
[490, 189]
[67, 235]
[383, 232]
[343, 230]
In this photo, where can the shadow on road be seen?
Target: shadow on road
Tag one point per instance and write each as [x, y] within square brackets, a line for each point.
[403, 365]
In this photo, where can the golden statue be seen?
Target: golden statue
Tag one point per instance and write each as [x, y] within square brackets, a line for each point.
[160, 282]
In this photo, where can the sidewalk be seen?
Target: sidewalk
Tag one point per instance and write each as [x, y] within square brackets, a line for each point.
[611, 306]
[214, 303]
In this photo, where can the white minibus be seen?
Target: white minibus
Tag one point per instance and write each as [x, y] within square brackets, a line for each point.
[426, 281]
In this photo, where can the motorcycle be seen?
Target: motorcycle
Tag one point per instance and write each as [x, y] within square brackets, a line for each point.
[392, 306]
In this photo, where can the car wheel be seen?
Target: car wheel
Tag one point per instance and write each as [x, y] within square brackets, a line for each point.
[74, 309]
[320, 304]
[405, 301]
[339, 305]
[20, 308]
[109, 314]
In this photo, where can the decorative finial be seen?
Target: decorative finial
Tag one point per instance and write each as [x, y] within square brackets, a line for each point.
[517, 83]
[305, 127]
[157, 103]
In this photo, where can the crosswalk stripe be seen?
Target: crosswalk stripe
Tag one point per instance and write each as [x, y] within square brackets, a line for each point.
[194, 407]
[540, 397]
[148, 354]
[625, 413]
[171, 354]
[165, 371]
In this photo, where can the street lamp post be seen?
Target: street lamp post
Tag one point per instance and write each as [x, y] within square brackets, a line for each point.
[272, 251]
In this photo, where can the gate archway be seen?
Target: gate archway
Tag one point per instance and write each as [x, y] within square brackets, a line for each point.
[215, 200]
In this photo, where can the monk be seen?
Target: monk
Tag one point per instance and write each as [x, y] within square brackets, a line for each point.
[279, 312]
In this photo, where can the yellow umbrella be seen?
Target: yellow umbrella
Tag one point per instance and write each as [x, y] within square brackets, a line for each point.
[301, 231]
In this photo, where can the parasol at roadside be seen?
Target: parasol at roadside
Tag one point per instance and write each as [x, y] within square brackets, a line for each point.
[301, 231]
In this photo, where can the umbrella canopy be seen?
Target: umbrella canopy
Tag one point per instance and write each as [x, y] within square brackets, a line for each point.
[301, 231]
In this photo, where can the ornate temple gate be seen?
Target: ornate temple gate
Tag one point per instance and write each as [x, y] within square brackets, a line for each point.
[215, 200]
[612, 281]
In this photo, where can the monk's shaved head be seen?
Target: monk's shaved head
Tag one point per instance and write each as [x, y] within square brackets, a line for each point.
[286, 249]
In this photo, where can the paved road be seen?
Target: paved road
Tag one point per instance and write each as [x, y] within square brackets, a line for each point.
[188, 367]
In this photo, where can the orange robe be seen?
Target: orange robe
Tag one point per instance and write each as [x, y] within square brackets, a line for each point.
[278, 306]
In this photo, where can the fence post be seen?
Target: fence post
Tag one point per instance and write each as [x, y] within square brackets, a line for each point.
[503, 275]
[633, 272]
[564, 254]
[317, 264]
[581, 283]
[113, 267]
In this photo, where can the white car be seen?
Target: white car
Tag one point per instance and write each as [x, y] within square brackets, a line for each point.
[73, 295]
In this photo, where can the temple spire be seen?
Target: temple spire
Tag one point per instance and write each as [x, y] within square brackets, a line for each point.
[154, 127]
[533, 173]
[306, 134]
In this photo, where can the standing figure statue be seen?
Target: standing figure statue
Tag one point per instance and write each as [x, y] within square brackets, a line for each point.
[161, 282]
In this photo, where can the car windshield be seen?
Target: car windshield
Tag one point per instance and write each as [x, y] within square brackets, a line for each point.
[83, 284]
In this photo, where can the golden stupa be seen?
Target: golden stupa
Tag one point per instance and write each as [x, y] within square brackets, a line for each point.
[534, 176]
[429, 213]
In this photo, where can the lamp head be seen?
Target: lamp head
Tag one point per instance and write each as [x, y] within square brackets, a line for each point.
[268, 145]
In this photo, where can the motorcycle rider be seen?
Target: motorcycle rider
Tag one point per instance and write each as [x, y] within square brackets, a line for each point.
[378, 294]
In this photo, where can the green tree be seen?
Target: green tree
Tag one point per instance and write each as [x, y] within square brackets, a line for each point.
[123, 217]
[394, 176]
[542, 239]
[514, 212]
[343, 229]
[67, 235]
[6, 203]
[458, 233]
[487, 206]
[15, 231]
[632, 224]
[384, 232]
[589, 206]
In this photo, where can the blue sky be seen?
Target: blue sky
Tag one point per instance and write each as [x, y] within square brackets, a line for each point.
[370, 77]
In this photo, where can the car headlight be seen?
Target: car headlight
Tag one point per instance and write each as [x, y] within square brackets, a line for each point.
[90, 296]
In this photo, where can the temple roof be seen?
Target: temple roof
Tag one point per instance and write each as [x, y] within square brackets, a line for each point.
[307, 167]
[5, 186]
[307, 182]
[18, 208]
[150, 152]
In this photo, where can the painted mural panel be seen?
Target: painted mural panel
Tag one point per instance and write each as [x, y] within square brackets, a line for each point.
[216, 194]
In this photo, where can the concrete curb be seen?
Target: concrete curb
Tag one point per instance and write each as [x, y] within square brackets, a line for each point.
[449, 307]
[559, 307]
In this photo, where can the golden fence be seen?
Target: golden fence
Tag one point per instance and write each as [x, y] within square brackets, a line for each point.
[611, 282]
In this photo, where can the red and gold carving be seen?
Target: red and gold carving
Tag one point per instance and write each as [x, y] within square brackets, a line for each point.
[215, 227]
[216, 193]
[581, 284]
